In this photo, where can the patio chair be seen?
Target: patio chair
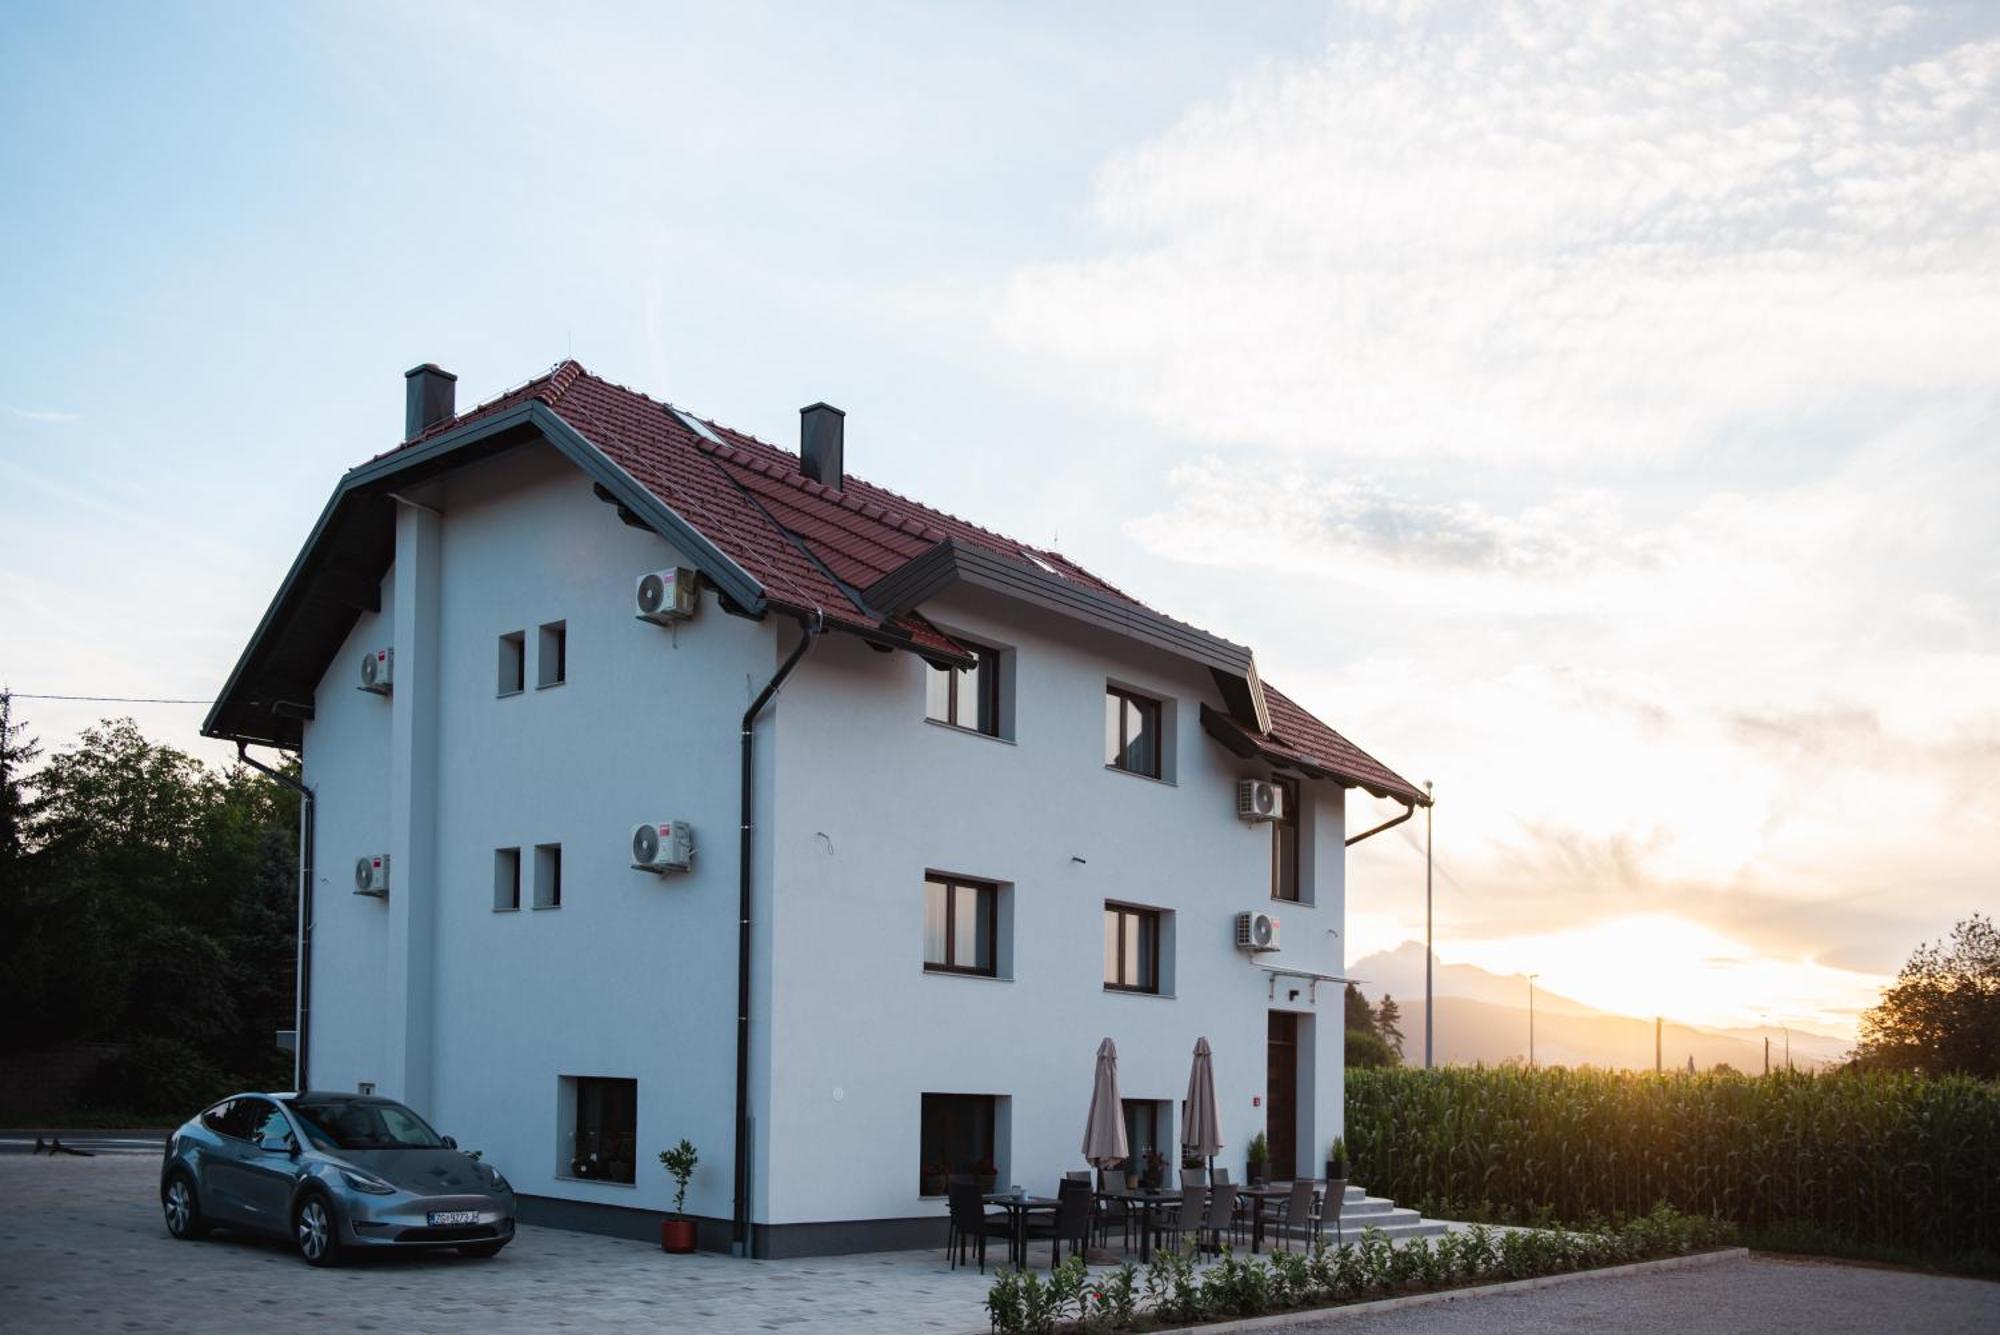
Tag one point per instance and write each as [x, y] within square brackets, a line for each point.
[1332, 1204]
[1220, 1218]
[1194, 1177]
[971, 1224]
[1070, 1223]
[1221, 1176]
[1295, 1212]
[1171, 1219]
[1114, 1212]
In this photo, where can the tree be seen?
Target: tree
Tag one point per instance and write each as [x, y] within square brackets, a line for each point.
[1389, 1023]
[1360, 1015]
[1365, 1047]
[17, 807]
[1942, 1014]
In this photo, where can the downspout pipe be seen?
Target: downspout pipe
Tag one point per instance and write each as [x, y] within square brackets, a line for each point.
[302, 1003]
[1389, 824]
[812, 627]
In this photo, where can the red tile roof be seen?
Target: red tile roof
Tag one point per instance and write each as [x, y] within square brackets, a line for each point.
[803, 541]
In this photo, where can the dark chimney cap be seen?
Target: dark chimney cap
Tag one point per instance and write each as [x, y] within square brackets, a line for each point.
[428, 394]
[822, 428]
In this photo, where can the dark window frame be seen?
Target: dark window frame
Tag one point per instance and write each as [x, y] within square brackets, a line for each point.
[513, 665]
[507, 872]
[952, 885]
[984, 1131]
[986, 709]
[596, 1093]
[548, 876]
[1146, 705]
[1285, 843]
[552, 637]
[1157, 919]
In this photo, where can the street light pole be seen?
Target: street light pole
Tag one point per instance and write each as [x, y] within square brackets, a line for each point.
[1531, 1019]
[1429, 1001]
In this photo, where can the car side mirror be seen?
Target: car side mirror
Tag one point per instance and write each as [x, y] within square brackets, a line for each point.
[450, 1142]
[292, 1147]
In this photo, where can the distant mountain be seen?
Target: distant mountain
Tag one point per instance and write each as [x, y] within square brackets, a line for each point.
[1483, 1017]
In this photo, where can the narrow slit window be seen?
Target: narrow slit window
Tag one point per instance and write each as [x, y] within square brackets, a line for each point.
[548, 876]
[552, 658]
[1131, 732]
[506, 879]
[513, 662]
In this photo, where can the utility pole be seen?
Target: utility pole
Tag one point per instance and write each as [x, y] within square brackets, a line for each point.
[1531, 1019]
[1788, 1046]
[1767, 1054]
[1656, 1044]
[1429, 1001]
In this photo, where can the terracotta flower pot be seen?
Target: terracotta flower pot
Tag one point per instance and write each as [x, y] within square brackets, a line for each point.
[677, 1236]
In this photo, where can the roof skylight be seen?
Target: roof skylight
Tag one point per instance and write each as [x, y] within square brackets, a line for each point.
[695, 424]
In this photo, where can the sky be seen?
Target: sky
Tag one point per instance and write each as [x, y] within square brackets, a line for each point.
[1586, 407]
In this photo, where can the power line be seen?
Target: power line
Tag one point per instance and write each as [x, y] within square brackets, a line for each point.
[109, 699]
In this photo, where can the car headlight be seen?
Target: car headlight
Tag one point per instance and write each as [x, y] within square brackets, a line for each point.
[497, 1182]
[367, 1182]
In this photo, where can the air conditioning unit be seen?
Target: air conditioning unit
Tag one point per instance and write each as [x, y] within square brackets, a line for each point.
[1257, 800]
[1256, 932]
[667, 846]
[378, 670]
[371, 876]
[667, 596]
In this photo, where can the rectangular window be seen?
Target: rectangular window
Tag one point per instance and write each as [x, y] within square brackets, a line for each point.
[548, 876]
[961, 925]
[1131, 948]
[1142, 1132]
[1131, 732]
[552, 655]
[967, 697]
[604, 1122]
[957, 1138]
[506, 879]
[1285, 843]
[513, 663]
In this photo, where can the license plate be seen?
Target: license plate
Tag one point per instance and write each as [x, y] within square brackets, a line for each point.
[440, 1218]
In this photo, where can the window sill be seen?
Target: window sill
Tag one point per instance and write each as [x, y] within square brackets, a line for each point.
[506, 908]
[597, 1182]
[1118, 991]
[1135, 774]
[547, 686]
[969, 732]
[1292, 903]
[545, 908]
[502, 695]
[968, 974]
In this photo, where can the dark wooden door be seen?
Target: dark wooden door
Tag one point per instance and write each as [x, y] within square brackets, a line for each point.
[1281, 1095]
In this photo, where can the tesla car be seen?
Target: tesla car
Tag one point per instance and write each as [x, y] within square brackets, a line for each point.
[335, 1173]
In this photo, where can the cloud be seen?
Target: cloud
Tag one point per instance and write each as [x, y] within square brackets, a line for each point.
[44, 415]
[1543, 231]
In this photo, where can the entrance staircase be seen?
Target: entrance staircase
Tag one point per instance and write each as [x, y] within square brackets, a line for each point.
[1360, 1210]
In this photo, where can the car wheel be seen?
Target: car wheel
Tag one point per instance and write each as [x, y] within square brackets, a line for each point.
[482, 1251]
[315, 1232]
[182, 1209]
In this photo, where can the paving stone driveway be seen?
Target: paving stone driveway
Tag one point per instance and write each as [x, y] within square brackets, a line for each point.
[82, 1248]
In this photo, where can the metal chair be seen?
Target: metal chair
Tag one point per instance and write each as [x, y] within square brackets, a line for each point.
[971, 1224]
[1071, 1222]
[1193, 1177]
[1334, 1202]
[1171, 1220]
[1111, 1212]
[1220, 1217]
[1295, 1213]
[1221, 1176]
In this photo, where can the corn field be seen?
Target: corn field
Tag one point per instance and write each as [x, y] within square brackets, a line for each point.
[1870, 1159]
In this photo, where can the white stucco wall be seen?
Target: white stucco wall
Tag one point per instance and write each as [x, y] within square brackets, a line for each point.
[634, 975]
[870, 796]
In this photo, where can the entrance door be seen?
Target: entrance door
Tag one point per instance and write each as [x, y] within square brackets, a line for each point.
[1281, 1095]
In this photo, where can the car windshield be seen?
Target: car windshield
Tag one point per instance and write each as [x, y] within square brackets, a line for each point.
[365, 1124]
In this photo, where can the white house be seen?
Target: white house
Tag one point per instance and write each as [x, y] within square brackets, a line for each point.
[958, 810]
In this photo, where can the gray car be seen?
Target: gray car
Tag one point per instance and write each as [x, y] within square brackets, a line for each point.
[334, 1173]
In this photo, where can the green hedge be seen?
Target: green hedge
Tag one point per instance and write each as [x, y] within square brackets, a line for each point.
[1869, 1159]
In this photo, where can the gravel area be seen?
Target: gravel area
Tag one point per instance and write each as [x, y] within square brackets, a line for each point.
[1758, 1295]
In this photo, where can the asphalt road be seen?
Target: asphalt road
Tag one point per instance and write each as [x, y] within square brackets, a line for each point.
[1759, 1295]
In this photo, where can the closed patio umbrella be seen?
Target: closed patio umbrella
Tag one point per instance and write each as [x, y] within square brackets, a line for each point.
[1104, 1142]
[1201, 1123]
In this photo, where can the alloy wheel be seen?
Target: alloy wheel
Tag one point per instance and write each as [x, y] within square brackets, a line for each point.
[314, 1230]
[179, 1206]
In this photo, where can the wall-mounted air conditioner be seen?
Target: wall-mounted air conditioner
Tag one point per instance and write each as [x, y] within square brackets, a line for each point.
[371, 875]
[667, 596]
[378, 670]
[1257, 800]
[1256, 932]
[667, 846]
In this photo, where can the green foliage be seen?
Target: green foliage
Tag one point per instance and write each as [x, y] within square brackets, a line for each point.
[1868, 1158]
[1259, 1150]
[1389, 1024]
[146, 899]
[1174, 1291]
[1367, 1049]
[1942, 1015]
[680, 1162]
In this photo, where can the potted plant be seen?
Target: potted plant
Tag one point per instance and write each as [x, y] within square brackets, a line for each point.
[1153, 1169]
[1258, 1158]
[1336, 1161]
[986, 1175]
[677, 1232]
[935, 1173]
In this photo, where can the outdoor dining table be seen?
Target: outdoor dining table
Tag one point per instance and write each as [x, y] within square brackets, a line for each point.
[1145, 1200]
[1258, 1196]
[1018, 1208]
